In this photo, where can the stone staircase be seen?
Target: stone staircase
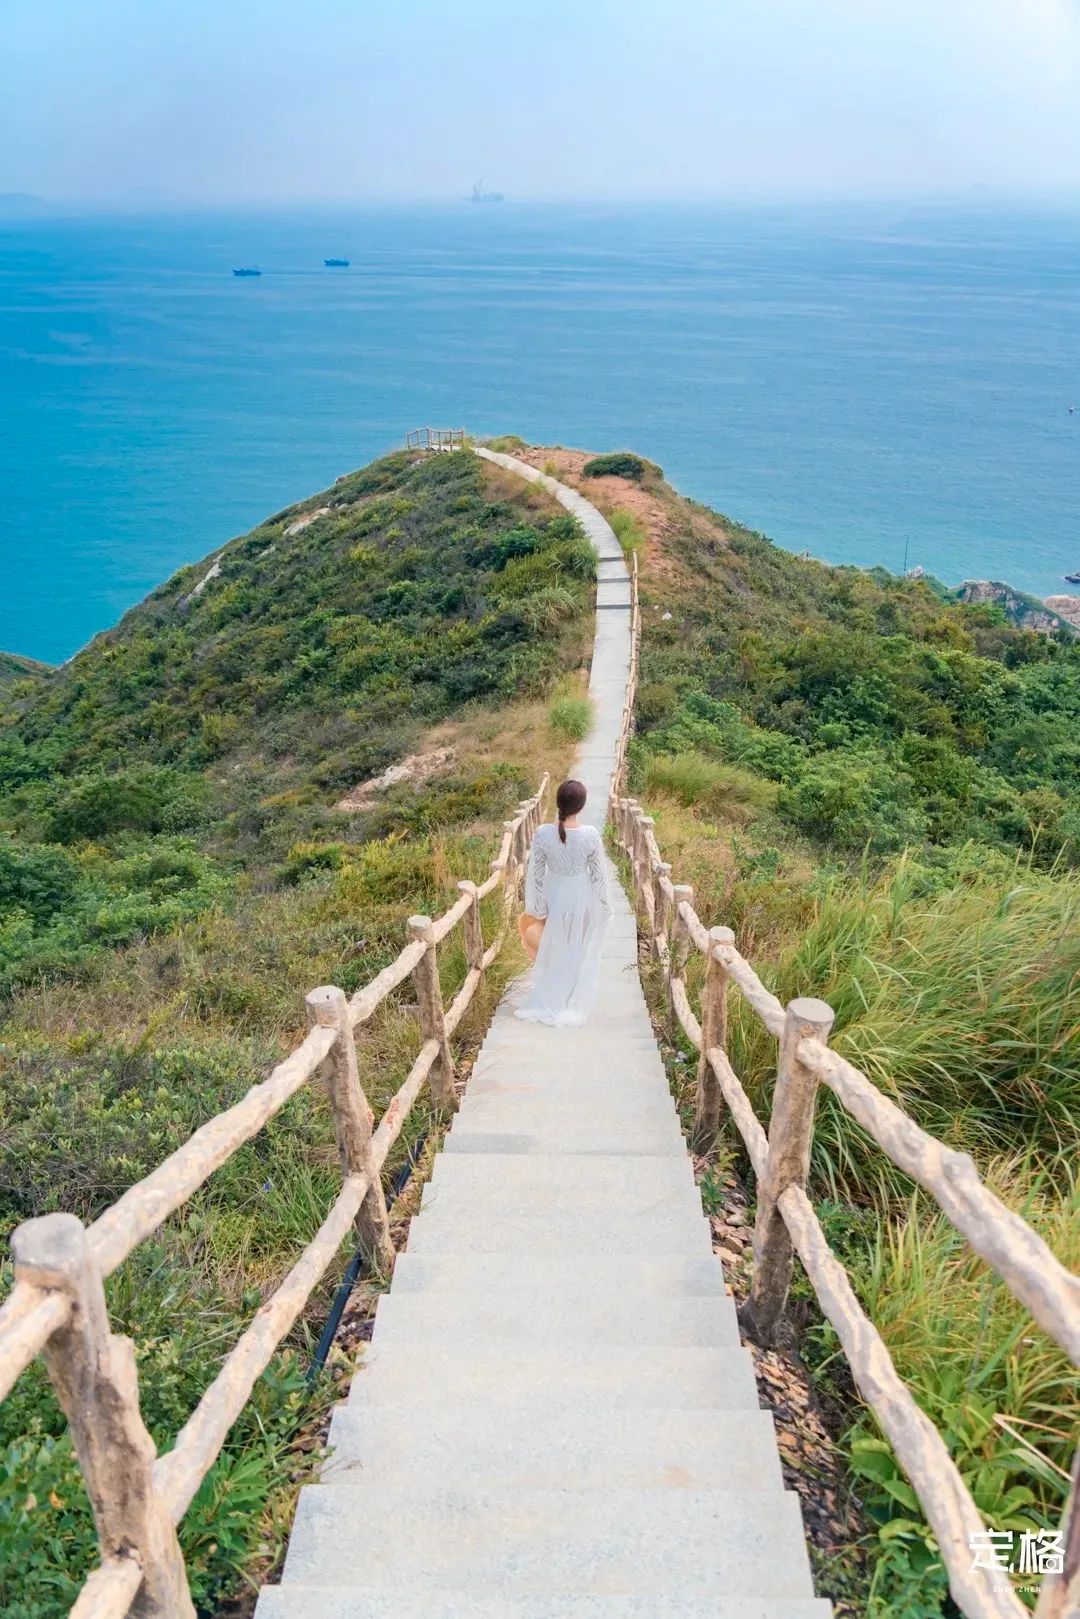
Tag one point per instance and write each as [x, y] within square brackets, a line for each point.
[555, 1419]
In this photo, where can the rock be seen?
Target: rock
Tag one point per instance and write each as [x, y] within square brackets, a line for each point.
[1066, 607]
[1026, 612]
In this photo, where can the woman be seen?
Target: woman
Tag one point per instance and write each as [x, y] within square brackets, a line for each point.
[566, 887]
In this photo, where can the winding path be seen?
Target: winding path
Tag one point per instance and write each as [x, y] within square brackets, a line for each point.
[556, 1419]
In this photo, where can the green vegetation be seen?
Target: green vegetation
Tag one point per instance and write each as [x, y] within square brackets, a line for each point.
[878, 787]
[20, 673]
[205, 734]
[174, 875]
[570, 717]
[629, 532]
[621, 464]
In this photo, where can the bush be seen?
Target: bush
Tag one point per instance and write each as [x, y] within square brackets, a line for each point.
[571, 717]
[148, 798]
[621, 464]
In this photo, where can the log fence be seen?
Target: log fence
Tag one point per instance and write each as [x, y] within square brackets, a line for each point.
[786, 1224]
[56, 1307]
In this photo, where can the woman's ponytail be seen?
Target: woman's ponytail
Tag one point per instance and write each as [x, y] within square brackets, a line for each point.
[569, 800]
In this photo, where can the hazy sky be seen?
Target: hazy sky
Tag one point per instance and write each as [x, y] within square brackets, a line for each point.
[226, 100]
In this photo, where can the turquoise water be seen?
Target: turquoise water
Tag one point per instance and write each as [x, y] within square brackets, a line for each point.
[850, 380]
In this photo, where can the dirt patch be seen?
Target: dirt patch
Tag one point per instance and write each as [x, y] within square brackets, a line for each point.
[417, 768]
[305, 521]
[658, 514]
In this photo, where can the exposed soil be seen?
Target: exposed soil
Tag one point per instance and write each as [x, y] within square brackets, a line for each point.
[657, 516]
[417, 768]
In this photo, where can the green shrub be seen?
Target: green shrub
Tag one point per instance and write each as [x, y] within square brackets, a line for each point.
[571, 717]
[621, 464]
[146, 798]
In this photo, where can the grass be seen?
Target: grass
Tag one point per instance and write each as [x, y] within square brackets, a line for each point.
[571, 718]
[691, 778]
[628, 529]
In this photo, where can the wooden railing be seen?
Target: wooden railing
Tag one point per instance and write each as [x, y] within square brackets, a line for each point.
[786, 1223]
[56, 1307]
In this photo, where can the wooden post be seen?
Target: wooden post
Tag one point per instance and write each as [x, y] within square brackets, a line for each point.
[645, 879]
[1059, 1597]
[429, 995]
[622, 815]
[93, 1373]
[510, 870]
[791, 1130]
[678, 944]
[353, 1119]
[474, 933]
[714, 1015]
[661, 924]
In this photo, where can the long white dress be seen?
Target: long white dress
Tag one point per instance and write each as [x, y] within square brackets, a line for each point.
[566, 883]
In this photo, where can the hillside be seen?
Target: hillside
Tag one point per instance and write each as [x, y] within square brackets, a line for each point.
[16, 671]
[177, 868]
[878, 787]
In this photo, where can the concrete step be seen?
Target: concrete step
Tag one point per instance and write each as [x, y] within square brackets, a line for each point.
[609, 1377]
[550, 1099]
[557, 1542]
[582, 1142]
[561, 1446]
[507, 1274]
[574, 1315]
[572, 1234]
[501, 1196]
[644, 1097]
[565, 1174]
[320, 1602]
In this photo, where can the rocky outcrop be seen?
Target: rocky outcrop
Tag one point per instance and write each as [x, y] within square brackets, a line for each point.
[1066, 607]
[1026, 612]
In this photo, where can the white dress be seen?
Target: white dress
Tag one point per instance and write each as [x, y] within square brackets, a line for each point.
[566, 883]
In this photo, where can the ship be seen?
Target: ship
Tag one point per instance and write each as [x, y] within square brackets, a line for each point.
[480, 195]
[1073, 578]
[247, 272]
[336, 264]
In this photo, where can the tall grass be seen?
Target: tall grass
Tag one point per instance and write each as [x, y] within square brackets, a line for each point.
[721, 789]
[629, 531]
[958, 992]
[571, 717]
[956, 982]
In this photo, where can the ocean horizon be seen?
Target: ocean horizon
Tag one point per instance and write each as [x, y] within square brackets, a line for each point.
[872, 382]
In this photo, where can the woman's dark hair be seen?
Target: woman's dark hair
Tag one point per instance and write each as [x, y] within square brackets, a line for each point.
[569, 799]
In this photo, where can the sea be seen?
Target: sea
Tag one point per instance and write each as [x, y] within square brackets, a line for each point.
[876, 382]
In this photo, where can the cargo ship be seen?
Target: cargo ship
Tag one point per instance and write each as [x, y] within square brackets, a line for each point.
[336, 264]
[247, 272]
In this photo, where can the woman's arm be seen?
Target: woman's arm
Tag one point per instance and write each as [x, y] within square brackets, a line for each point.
[598, 875]
[536, 879]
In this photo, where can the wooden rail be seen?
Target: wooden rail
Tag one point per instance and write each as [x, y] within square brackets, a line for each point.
[786, 1223]
[56, 1307]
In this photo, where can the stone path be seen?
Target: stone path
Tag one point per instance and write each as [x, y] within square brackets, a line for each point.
[555, 1419]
